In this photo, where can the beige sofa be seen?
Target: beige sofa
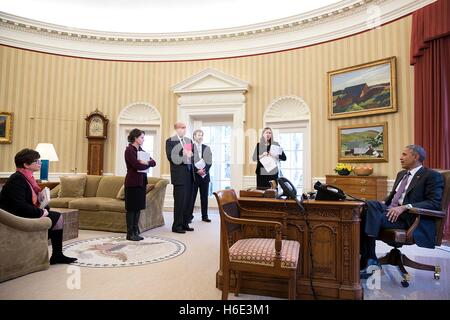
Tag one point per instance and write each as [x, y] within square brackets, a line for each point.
[100, 209]
[23, 245]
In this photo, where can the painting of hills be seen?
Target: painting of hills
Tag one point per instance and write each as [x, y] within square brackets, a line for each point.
[363, 142]
[361, 91]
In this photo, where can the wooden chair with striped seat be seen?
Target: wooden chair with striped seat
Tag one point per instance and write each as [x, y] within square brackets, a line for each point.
[272, 256]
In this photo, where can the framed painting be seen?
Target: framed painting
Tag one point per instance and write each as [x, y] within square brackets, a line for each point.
[363, 143]
[6, 119]
[363, 90]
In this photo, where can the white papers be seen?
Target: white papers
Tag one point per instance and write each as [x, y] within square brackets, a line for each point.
[275, 150]
[268, 162]
[201, 164]
[44, 198]
[142, 155]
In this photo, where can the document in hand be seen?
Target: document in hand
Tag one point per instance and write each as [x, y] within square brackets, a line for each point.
[275, 150]
[201, 164]
[142, 155]
[268, 162]
[44, 197]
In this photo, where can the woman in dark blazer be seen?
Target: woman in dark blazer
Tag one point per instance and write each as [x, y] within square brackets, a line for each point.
[262, 149]
[21, 196]
[135, 183]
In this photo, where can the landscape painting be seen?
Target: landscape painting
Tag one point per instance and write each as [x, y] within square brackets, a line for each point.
[6, 127]
[363, 143]
[362, 90]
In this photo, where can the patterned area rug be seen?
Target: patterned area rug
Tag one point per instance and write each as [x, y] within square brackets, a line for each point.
[110, 252]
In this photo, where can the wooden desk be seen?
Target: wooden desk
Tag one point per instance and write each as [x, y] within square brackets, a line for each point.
[335, 248]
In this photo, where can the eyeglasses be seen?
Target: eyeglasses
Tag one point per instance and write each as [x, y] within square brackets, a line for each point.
[38, 161]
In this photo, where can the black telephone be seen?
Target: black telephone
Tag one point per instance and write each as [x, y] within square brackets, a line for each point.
[289, 191]
[328, 192]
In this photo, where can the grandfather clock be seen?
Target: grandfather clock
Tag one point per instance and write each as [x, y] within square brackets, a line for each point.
[96, 133]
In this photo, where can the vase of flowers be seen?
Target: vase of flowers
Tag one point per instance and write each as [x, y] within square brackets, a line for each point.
[343, 169]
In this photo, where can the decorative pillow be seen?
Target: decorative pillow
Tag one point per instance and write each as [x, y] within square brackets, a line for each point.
[149, 188]
[121, 193]
[72, 187]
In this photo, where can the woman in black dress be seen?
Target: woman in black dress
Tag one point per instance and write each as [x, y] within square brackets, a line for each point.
[262, 149]
[21, 196]
[135, 183]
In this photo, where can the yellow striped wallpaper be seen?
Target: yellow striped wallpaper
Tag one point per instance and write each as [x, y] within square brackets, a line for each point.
[50, 95]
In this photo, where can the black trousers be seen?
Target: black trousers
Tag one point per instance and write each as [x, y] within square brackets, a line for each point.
[182, 209]
[203, 186]
[373, 220]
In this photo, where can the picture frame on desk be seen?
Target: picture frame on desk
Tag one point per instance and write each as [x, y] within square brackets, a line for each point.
[363, 143]
[364, 89]
[6, 127]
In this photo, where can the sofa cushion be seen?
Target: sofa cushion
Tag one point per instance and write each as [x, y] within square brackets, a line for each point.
[72, 186]
[109, 186]
[149, 188]
[92, 183]
[60, 202]
[98, 204]
[121, 193]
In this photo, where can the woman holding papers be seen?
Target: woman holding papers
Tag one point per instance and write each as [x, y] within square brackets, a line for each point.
[267, 154]
[22, 196]
[137, 161]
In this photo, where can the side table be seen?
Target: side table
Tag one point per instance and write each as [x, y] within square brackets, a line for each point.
[71, 222]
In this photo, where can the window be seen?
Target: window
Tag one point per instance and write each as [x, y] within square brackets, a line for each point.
[292, 142]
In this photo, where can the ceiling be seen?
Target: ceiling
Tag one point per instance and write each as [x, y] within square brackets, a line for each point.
[158, 16]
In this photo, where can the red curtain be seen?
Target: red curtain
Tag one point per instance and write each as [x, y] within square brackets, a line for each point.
[430, 55]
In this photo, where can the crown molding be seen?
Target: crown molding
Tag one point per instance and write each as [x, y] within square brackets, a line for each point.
[325, 24]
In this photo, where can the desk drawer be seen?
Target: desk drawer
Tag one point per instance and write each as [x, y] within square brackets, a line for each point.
[351, 181]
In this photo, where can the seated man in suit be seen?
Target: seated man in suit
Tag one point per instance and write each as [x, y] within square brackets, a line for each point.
[415, 186]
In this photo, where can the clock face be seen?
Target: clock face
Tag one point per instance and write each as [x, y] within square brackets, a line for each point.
[96, 127]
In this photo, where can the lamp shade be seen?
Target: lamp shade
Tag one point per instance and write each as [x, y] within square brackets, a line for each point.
[47, 151]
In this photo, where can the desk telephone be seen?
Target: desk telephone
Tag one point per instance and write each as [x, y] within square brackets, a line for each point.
[328, 192]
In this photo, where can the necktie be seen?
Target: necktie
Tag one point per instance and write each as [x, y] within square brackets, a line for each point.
[400, 190]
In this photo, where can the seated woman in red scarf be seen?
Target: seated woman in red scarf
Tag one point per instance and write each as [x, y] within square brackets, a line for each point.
[20, 196]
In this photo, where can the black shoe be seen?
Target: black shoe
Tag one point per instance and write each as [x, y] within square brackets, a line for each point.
[61, 259]
[178, 230]
[372, 266]
[133, 237]
[206, 219]
[187, 228]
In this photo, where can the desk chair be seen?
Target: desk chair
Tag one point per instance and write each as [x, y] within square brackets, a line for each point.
[398, 237]
[258, 255]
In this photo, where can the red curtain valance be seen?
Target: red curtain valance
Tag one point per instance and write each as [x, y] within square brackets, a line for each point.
[429, 23]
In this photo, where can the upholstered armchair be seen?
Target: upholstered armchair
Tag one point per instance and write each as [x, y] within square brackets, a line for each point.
[400, 237]
[23, 245]
[272, 256]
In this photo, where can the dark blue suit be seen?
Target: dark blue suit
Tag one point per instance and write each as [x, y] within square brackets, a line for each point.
[424, 191]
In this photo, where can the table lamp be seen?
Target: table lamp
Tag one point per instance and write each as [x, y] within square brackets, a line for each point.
[48, 153]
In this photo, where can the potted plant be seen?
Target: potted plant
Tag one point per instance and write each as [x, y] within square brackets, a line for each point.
[343, 169]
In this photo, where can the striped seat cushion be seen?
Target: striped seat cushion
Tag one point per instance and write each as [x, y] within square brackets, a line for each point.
[262, 251]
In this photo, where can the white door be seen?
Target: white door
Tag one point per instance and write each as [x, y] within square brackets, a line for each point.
[151, 145]
[217, 135]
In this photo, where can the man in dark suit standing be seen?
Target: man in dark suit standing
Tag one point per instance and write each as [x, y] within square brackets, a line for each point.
[201, 176]
[415, 186]
[179, 153]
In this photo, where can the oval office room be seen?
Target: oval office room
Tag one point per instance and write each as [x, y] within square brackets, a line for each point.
[224, 150]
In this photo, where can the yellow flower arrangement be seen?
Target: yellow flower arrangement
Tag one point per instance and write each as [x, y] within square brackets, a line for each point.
[343, 169]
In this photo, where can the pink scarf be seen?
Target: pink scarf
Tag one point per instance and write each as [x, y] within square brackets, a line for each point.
[33, 184]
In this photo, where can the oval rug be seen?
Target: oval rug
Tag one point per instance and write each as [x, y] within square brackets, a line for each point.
[110, 252]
